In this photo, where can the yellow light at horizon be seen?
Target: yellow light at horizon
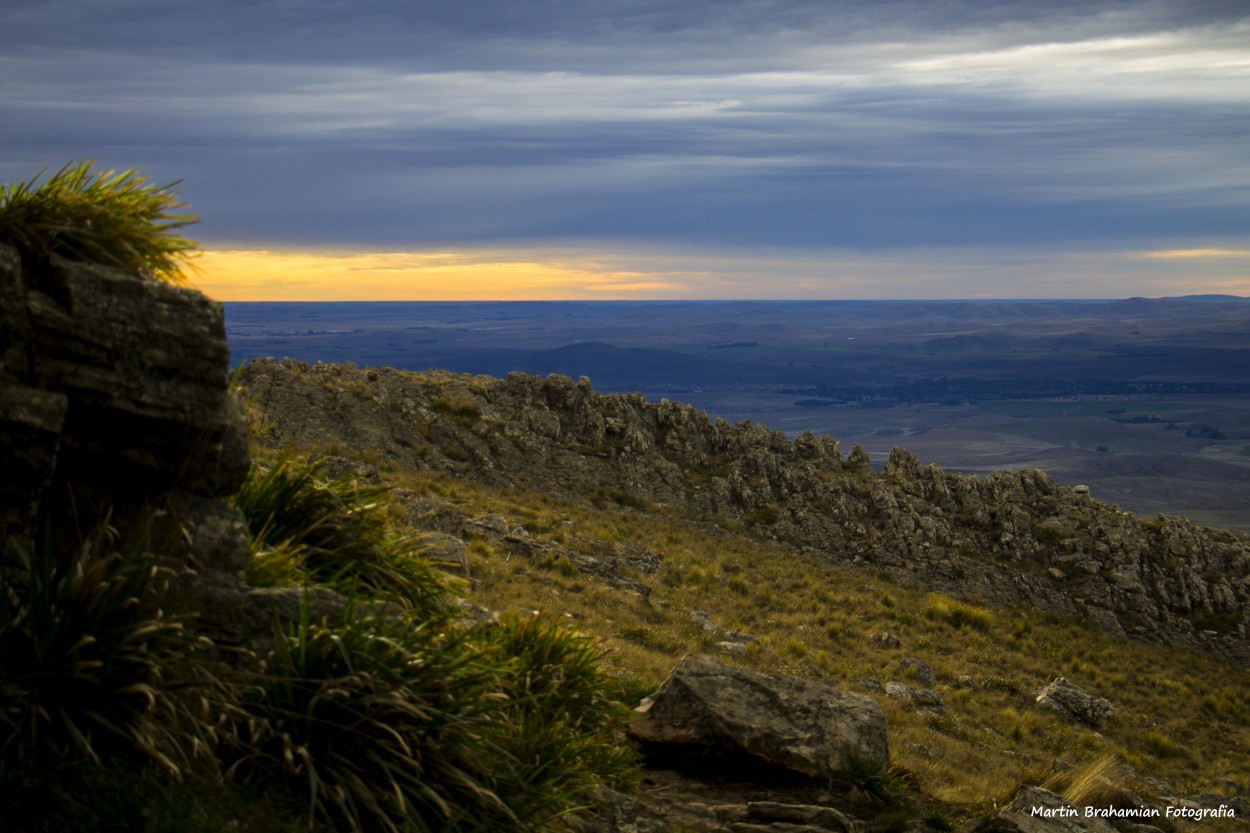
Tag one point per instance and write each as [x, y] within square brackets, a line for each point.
[263, 275]
[1176, 254]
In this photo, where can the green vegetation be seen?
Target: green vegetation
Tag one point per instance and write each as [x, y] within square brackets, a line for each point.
[118, 219]
[392, 716]
[89, 663]
[307, 527]
[562, 728]
[375, 722]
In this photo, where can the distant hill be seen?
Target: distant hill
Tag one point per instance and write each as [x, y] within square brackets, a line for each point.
[620, 368]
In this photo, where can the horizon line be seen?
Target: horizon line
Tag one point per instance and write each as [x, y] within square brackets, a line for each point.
[975, 300]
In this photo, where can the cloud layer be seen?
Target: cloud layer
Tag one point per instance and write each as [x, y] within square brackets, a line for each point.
[787, 127]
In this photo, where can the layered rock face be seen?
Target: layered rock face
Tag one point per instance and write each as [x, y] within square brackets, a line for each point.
[1011, 538]
[114, 407]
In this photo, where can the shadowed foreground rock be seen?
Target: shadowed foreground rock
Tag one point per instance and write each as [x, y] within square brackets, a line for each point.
[115, 408]
[112, 396]
[801, 725]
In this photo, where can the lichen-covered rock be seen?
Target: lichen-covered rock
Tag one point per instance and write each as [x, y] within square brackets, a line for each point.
[1074, 703]
[802, 725]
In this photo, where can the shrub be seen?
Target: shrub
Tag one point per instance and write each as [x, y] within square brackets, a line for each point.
[375, 722]
[957, 614]
[383, 723]
[305, 526]
[118, 219]
[562, 732]
[88, 662]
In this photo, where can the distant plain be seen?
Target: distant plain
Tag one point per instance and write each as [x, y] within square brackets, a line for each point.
[1147, 401]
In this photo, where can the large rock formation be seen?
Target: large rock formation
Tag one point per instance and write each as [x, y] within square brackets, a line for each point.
[801, 725]
[1012, 537]
[114, 408]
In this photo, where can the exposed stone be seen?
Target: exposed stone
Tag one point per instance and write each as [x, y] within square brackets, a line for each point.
[114, 404]
[868, 684]
[887, 640]
[918, 670]
[700, 618]
[1074, 703]
[810, 815]
[802, 725]
[924, 698]
[446, 551]
[928, 698]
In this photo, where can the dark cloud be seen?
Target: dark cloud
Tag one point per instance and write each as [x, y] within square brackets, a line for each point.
[767, 123]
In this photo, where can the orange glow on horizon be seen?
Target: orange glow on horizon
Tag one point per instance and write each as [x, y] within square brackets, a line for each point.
[262, 275]
[611, 272]
[1170, 254]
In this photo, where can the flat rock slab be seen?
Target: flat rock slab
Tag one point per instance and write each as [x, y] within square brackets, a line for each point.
[801, 725]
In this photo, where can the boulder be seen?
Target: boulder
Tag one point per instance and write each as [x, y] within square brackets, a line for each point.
[918, 670]
[113, 397]
[1074, 703]
[115, 409]
[801, 725]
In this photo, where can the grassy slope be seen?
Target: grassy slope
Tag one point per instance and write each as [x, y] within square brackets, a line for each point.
[1180, 717]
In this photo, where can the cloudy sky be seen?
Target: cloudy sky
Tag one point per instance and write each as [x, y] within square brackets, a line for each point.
[345, 149]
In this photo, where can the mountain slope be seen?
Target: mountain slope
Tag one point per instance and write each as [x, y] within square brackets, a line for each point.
[1010, 538]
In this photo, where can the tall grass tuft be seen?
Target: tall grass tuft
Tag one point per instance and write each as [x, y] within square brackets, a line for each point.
[378, 723]
[1101, 783]
[957, 614]
[306, 526]
[88, 662]
[118, 219]
[562, 732]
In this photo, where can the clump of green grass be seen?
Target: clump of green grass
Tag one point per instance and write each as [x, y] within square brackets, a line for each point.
[89, 662]
[306, 526]
[379, 722]
[117, 219]
[376, 722]
[464, 411]
[957, 614]
[563, 731]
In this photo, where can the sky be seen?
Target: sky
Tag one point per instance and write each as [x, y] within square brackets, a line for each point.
[479, 149]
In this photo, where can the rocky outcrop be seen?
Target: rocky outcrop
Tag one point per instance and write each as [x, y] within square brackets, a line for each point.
[112, 391]
[1072, 702]
[114, 408]
[1013, 537]
[801, 725]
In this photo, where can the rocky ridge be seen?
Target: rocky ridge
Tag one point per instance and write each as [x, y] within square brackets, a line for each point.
[1014, 537]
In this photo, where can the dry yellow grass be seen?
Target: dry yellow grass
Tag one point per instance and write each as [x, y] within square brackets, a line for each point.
[1180, 716]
